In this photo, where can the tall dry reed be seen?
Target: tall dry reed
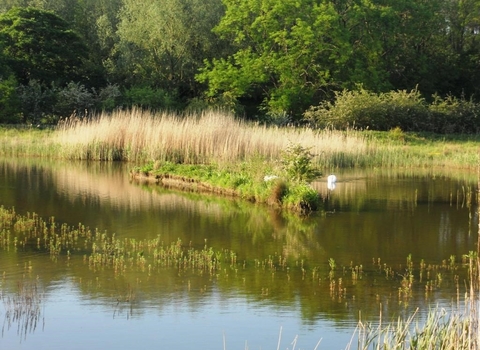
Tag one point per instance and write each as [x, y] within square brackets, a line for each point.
[212, 136]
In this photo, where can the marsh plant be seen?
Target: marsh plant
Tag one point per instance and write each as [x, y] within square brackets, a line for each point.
[297, 163]
[139, 136]
[23, 307]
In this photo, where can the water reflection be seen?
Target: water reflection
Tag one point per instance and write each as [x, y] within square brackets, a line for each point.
[370, 222]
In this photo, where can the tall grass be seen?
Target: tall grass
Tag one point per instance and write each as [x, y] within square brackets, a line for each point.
[212, 136]
[139, 136]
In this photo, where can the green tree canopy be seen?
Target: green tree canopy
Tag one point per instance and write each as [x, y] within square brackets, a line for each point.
[162, 43]
[286, 51]
[39, 45]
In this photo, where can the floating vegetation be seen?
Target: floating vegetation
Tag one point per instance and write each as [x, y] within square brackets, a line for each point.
[102, 251]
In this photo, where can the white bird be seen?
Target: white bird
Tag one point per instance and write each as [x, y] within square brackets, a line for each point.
[331, 180]
[267, 178]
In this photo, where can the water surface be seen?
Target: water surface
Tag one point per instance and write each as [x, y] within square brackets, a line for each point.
[281, 282]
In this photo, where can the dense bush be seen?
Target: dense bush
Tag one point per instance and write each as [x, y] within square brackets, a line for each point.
[47, 104]
[455, 115]
[407, 110]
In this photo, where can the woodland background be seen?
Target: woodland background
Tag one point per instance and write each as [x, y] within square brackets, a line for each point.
[280, 61]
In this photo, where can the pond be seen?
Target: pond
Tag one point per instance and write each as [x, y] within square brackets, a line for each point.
[385, 243]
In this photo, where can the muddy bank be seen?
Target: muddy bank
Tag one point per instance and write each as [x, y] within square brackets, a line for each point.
[182, 183]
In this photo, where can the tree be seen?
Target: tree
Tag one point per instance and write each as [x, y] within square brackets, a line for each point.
[39, 45]
[292, 53]
[163, 42]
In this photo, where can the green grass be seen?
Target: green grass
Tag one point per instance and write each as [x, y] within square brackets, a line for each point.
[244, 180]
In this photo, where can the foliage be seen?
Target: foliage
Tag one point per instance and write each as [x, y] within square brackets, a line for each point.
[286, 51]
[108, 97]
[455, 115]
[9, 102]
[164, 42]
[48, 104]
[406, 110]
[148, 97]
[37, 101]
[297, 164]
[266, 60]
[76, 99]
[302, 198]
[41, 46]
[364, 109]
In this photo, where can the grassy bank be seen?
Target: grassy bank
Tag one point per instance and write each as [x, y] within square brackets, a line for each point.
[213, 137]
[245, 180]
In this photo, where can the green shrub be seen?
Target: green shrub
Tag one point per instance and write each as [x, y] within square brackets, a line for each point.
[297, 164]
[407, 110]
[108, 97]
[363, 109]
[455, 115]
[74, 98]
[37, 101]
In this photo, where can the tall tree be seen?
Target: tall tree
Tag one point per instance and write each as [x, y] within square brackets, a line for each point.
[39, 45]
[163, 42]
[293, 53]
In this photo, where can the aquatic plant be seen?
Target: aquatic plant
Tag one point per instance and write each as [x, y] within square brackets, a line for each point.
[22, 307]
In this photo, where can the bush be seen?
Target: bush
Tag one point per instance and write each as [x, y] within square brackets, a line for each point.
[455, 115]
[351, 109]
[297, 164]
[108, 97]
[405, 110]
[36, 100]
[362, 109]
[76, 99]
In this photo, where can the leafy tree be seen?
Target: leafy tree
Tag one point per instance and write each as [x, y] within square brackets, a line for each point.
[163, 42]
[292, 53]
[41, 46]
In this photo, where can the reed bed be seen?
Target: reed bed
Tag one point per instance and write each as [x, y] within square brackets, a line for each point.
[216, 137]
[138, 136]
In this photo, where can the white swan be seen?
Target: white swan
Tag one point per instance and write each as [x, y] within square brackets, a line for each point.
[331, 182]
[331, 178]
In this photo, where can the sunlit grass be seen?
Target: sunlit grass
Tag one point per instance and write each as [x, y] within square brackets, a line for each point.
[211, 137]
[140, 136]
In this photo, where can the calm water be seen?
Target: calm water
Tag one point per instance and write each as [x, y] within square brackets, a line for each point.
[372, 222]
